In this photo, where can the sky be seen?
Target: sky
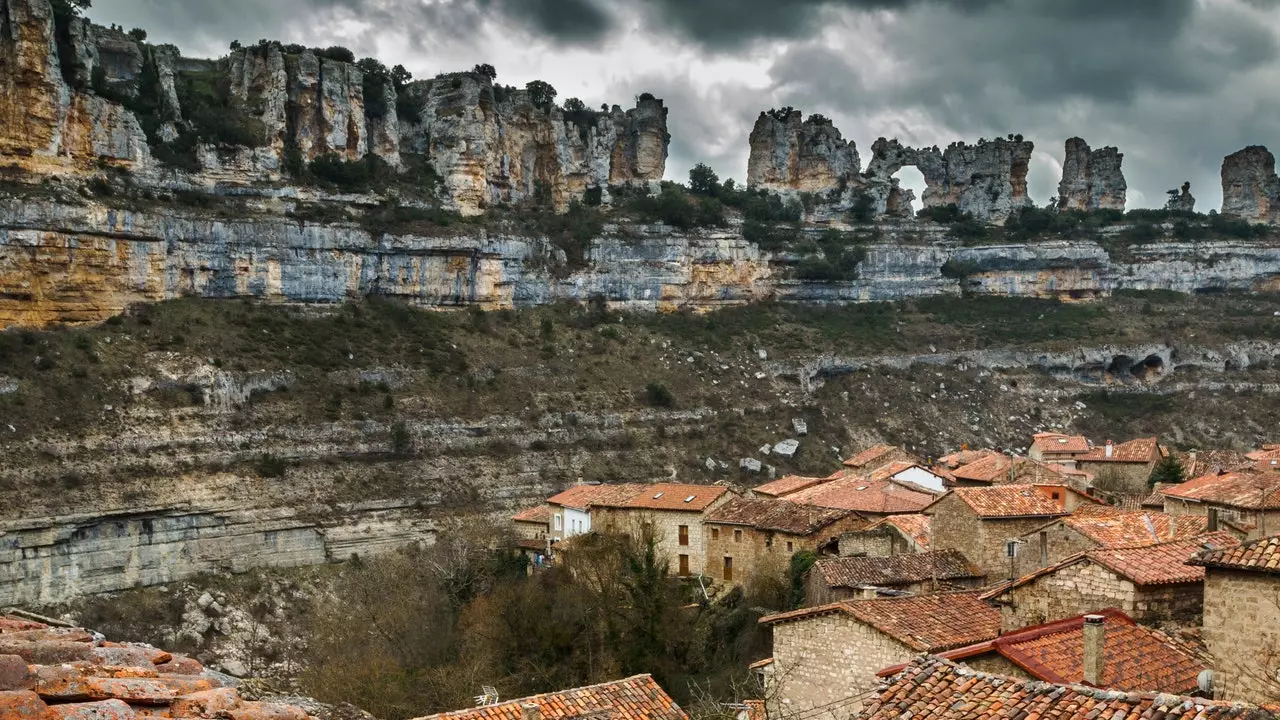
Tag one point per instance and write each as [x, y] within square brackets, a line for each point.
[1176, 85]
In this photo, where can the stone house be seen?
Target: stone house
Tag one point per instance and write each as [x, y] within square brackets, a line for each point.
[1124, 468]
[571, 510]
[1000, 469]
[870, 498]
[673, 513]
[1105, 649]
[892, 535]
[1242, 619]
[1058, 448]
[987, 524]
[1152, 584]
[1095, 526]
[1248, 500]
[825, 658]
[847, 578]
[878, 456]
[790, 484]
[533, 523]
[746, 536]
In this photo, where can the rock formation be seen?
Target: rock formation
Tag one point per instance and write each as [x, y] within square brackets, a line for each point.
[1091, 179]
[1250, 188]
[791, 155]
[1181, 201]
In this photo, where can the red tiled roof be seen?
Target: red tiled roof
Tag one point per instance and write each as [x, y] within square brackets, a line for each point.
[964, 457]
[1059, 443]
[1010, 501]
[580, 497]
[1202, 462]
[931, 688]
[1142, 450]
[777, 515]
[861, 494]
[866, 458]
[1268, 452]
[536, 514]
[789, 484]
[1247, 489]
[635, 698]
[1259, 556]
[670, 496]
[1135, 658]
[914, 526]
[1127, 529]
[927, 623]
[994, 469]
[853, 572]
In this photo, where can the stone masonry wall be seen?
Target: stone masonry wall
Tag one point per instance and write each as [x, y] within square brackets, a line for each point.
[666, 531]
[1052, 545]
[996, 664]
[1242, 630]
[757, 550]
[883, 541]
[982, 542]
[1120, 477]
[1264, 522]
[827, 662]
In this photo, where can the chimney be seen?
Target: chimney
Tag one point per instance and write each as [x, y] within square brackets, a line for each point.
[1213, 520]
[530, 711]
[1095, 637]
[1110, 448]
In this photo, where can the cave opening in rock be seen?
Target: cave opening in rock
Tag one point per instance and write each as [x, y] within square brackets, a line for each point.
[911, 180]
[1120, 367]
[1150, 368]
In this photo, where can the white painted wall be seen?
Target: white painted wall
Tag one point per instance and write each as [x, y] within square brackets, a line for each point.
[921, 477]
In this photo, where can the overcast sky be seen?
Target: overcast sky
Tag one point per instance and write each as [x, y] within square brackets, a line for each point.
[1175, 84]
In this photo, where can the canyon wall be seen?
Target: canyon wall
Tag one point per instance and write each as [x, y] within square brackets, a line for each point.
[1091, 179]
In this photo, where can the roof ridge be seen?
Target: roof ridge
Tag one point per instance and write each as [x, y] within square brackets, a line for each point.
[565, 691]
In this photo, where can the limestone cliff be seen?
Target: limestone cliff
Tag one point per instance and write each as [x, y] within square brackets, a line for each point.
[492, 145]
[1091, 179]
[1182, 200]
[987, 180]
[789, 154]
[1250, 188]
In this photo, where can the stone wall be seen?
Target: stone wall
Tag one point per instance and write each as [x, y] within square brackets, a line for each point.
[1122, 477]
[1242, 632]
[828, 662]
[754, 550]
[882, 541]
[56, 559]
[1085, 587]
[982, 541]
[1263, 523]
[665, 526]
[1051, 545]
[996, 664]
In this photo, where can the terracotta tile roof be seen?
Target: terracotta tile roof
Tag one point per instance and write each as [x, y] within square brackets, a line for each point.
[1142, 450]
[536, 514]
[964, 457]
[635, 698]
[854, 572]
[776, 515]
[669, 496]
[867, 459]
[927, 623]
[72, 673]
[993, 469]
[935, 689]
[1009, 501]
[789, 484]
[1135, 658]
[864, 495]
[580, 497]
[914, 526]
[1059, 443]
[885, 472]
[1259, 556]
[1110, 528]
[1202, 462]
[1246, 489]
[1268, 452]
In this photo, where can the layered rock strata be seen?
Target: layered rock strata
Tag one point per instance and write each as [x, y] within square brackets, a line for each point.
[1091, 179]
[790, 154]
[1250, 187]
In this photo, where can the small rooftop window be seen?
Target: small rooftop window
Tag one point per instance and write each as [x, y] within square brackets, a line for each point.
[862, 487]
[690, 498]
[1062, 441]
[655, 497]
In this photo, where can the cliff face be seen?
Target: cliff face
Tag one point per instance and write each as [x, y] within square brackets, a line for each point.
[1091, 179]
[794, 155]
[1250, 188]
[493, 145]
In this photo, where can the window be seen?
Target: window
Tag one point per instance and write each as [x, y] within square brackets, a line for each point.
[728, 569]
[1044, 548]
[737, 536]
[789, 547]
[684, 534]
[558, 521]
[1057, 496]
[684, 564]
[1011, 549]
[715, 533]
[768, 541]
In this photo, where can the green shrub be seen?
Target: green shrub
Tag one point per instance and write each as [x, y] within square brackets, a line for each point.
[336, 52]
[657, 395]
[270, 466]
[770, 238]
[351, 175]
[401, 440]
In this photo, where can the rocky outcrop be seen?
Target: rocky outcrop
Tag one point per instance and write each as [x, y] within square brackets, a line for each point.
[789, 154]
[1091, 179]
[493, 145]
[1181, 200]
[1250, 188]
[987, 180]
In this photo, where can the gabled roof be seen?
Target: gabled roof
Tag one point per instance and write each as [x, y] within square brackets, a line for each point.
[635, 698]
[1010, 501]
[1059, 443]
[931, 688]
[854, 572]
[536, 514]
[1245, 489]
[964, 457]
[776, 515]
[668, 496]
[927, 623]
[994, 469]
[1258, 556]
[869, 458]
[582, 496]
[1267, 452]
[1202, 462]
[914, 526]
[789, 484]
[1109, 528]
[855, 492]
[1135, 658]
[1142, 450]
